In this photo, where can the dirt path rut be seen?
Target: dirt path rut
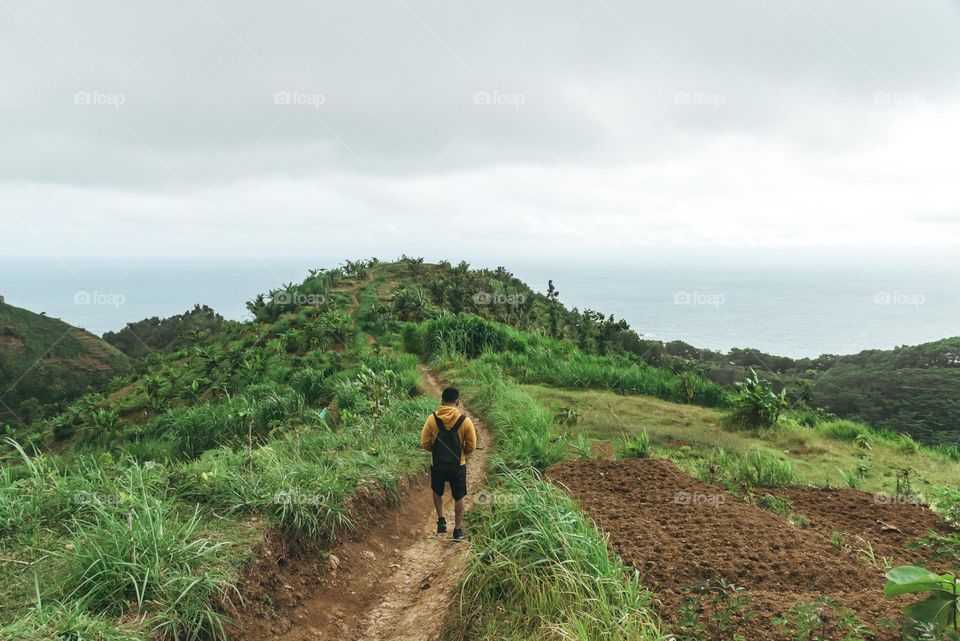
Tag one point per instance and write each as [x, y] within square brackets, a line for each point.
[396, 582]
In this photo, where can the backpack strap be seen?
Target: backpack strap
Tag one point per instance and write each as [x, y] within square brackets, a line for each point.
[459, 422]
[439, 423]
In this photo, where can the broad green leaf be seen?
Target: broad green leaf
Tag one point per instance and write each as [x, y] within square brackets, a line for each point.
[910, 573]
[909, 579]
[935, 609]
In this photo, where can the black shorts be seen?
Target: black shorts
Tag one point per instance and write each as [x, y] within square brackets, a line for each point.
[455, 476]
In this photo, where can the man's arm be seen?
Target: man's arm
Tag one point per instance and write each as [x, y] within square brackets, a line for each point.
[469, 436]
[428, 434]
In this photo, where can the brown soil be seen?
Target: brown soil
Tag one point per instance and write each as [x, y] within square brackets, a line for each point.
[888, 524]
[394, 581]
[676, 530]
[87, 363]
[10, 341]
[99, 349]
[123, 391]
[603, 449]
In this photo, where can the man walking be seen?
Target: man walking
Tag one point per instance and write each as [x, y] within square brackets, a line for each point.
[449, 435]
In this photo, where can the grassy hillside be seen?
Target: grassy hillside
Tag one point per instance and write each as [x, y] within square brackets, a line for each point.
[150, 335]
[139, 507]
[827, 454]
[44, 361]
[156, 497]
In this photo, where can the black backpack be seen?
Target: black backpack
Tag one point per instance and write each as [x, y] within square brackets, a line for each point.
[446, 448]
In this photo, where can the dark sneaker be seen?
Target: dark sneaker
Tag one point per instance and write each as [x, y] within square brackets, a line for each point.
[441, 525]
[458, 534]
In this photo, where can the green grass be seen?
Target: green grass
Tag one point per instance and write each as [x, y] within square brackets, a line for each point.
[536, 555]
[525, 437]
[156, 528]
[754, 468]
[541, 569]
[60, 622]
[196, 428]
[690, 433]
[531, 358]
[130, 559]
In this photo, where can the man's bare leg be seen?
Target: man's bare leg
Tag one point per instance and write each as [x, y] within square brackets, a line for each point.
[458, 507]
[438, 503]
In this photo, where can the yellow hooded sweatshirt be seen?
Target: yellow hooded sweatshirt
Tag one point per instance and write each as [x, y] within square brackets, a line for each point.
[449, 415]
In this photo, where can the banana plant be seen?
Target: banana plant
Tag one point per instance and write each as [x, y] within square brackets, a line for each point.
[939, 610]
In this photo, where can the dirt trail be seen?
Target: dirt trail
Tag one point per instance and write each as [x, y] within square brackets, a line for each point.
[396, 582]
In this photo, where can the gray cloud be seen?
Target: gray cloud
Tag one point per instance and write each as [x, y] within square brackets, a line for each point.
[127, 117]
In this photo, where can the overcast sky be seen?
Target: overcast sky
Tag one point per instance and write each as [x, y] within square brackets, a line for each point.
[206, 127]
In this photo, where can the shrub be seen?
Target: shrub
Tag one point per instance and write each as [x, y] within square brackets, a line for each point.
[823, 619]
[711, 609]
[757, 405]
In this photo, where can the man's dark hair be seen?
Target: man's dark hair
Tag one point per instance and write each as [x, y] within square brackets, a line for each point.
[450, 395]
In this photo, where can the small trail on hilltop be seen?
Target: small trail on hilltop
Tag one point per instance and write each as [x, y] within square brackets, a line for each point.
[395, 581]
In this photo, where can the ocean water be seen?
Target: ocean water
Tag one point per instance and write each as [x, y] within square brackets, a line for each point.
[788, 307]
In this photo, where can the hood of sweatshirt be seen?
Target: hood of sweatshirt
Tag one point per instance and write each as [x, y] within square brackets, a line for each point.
[448, 415]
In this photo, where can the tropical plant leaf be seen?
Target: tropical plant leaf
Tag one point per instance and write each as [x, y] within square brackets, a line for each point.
[909, 579]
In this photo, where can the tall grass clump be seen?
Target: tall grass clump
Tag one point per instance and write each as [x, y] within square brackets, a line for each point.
[525, 436]
[540, 559]
[140, 555]
[584, 371]
[843, 430]
[460, 334]
[636, 446]
[853, 432]
[948, 452]
[262, 407]
[754, 468]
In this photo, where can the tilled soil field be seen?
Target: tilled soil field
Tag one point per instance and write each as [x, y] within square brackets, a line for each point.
[676, 530]
[889, 524]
